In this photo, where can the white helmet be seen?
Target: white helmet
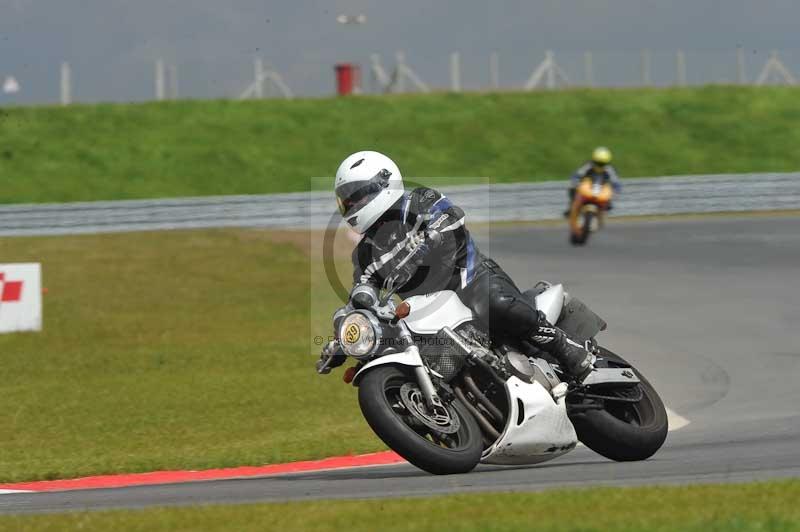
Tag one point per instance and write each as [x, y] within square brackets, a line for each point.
[367, 184]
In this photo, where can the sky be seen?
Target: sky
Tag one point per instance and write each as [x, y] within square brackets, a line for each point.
[111, 45]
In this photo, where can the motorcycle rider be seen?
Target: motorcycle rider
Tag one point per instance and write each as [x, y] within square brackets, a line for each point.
[374, 203]
[599, 170]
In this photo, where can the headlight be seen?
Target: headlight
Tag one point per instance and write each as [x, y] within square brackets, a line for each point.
[357, 335]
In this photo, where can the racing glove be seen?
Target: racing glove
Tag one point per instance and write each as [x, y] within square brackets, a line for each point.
[331, 357]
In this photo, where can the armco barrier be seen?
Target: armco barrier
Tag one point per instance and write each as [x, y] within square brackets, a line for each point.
[508, 202]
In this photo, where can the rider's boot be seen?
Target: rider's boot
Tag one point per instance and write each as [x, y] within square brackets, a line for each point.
[572, 356]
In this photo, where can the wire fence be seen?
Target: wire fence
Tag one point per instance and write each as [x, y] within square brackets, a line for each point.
[258, 77]
[553, 70]
[482, 203]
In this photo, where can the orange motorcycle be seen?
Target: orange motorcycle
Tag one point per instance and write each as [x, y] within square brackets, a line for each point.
[588, 210]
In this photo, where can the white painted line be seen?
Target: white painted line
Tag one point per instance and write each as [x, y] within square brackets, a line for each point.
[675, 420]
[9, 492]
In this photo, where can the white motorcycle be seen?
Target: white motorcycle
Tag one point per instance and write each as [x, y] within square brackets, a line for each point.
[435, 388]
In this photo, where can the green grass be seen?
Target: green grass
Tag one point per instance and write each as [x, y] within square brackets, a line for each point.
[185, 349]
[230, 147]
[762, 507]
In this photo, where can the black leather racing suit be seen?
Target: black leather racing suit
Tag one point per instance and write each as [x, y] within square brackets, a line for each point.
[457, 264]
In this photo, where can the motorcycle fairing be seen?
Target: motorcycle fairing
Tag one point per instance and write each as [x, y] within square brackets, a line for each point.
[589, 191]
[431, 312]
[551, 301]
[537, 430]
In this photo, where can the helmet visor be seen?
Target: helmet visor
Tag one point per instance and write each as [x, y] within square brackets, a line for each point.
[352, 197]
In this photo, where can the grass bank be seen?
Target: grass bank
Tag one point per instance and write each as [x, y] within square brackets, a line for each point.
[231, 147]
[768, 506]
[165, 350]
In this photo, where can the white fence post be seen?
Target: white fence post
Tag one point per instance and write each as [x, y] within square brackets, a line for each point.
[258, 77]
[403, 71]
[160, 79]
[400, 77]
[173, 82]
[256, 87]
[547, 70]
[741, 75]
[774, 67]
[66, 84]
[494, 71]
[645, 68]
[277, 80]
[379, 75]
[455, 72]
[680, 63]
[588, 68]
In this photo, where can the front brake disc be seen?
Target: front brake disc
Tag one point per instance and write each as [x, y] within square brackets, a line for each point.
[447, 422]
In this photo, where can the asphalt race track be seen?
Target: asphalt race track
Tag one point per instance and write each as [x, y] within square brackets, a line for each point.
[708, 309]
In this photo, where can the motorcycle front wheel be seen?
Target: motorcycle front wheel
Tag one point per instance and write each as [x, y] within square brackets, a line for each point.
[586, 229]
[394, 408]
[624, 431]
[579, 237]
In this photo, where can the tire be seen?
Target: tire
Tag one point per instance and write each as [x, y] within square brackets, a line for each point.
[586, 229]
[376, 397]
[576, 240]
[579, 239]
[608, 433]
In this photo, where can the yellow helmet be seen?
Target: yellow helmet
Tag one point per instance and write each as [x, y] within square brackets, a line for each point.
[601, 155]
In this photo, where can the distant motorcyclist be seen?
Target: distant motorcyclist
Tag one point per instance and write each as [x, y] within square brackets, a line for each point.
[599, 170]
[374, 203]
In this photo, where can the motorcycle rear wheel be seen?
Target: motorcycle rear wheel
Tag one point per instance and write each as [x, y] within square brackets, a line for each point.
[387, 415]
[624, 432]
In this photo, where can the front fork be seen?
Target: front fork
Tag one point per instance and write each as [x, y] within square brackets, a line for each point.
[426, 386]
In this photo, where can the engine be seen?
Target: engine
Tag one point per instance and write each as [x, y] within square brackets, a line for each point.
[443, 356]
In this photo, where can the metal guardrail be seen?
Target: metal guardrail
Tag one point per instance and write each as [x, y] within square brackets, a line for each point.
[508, 202]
